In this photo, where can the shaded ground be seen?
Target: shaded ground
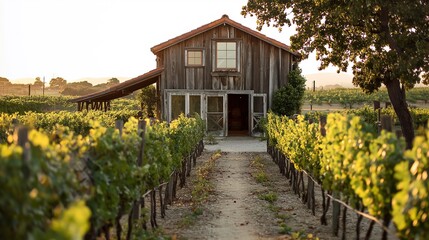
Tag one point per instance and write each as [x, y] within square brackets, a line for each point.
[236, 208]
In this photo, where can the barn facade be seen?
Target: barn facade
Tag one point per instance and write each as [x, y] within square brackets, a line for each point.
[224, 71]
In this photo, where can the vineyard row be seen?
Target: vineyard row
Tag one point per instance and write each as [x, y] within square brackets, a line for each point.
[370, 171]
[64, 185]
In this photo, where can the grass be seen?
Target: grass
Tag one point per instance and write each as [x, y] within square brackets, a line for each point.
[270, 197]
[260, 175]
[190, 218]
[202, 187]
[211, 140]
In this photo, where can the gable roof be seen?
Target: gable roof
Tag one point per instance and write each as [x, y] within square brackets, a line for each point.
[223, 20]
[123, 88]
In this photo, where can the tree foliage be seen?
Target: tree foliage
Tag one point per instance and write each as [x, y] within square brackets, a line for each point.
[58, 83]
[288, 99]
[78, 88]
[147, 97]
[386, 41]
[38, 84]
[4, 80]
[113, 81]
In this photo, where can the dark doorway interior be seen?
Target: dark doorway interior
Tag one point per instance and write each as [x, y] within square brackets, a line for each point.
[238, 114]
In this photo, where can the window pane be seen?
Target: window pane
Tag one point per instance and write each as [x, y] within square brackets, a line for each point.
[195, 57]
[258, 104]
[221, 63]
[231, 63]
[230, 54]
[177, 106]
[215, 104]
[231, 46]
[195, 104]
[221, 46]
[221, 54]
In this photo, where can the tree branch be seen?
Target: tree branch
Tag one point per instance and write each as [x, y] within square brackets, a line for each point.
[384, 27]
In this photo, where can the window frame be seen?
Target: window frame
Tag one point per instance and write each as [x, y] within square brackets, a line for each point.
[187, 50]
[237, 55]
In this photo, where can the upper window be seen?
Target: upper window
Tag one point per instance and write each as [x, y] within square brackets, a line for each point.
[194, 58]
[226, 55]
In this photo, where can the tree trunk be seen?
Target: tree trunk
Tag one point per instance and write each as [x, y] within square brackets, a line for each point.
[397, 98]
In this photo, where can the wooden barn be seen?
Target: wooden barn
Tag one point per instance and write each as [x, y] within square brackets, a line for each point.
[224, 71]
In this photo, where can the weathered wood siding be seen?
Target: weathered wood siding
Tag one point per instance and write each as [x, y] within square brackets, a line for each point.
[262, 67]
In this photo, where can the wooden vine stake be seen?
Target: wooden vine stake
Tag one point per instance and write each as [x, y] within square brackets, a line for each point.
[142, 129]
[336, 208]
[386, 123]
[20, 138]
[325, 206]
[119, 125]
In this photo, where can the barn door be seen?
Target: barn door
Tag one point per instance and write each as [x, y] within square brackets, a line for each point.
[216, 106]
[258, 109]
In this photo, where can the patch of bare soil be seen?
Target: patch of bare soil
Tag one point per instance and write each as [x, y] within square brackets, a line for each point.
[236, 210]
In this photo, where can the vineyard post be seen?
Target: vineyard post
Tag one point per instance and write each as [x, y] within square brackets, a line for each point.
[15, 123]
[322, 124]
[311, 100]
[20, 137]
[142, 128]
[336, 208]
[386, 123]
[119, 124]
[377, 107]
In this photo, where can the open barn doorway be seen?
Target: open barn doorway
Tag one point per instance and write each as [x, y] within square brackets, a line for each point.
[238, 114]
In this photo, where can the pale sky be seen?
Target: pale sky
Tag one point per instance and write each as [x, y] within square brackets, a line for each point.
[75, 39]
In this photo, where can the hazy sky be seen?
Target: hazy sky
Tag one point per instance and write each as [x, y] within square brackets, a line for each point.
[104, 38]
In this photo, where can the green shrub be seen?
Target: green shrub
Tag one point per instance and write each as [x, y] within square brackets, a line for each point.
[289, 98]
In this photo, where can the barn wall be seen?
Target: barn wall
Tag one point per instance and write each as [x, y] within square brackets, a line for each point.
[262, 67]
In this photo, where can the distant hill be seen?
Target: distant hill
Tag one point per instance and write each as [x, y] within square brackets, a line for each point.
[93, 81]
[98, 80]
[333, 80]
[329, 80]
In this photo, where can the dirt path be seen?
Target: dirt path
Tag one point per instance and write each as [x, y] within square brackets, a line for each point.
[235, 209]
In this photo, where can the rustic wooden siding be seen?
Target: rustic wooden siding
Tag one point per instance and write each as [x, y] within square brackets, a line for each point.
[262, 67]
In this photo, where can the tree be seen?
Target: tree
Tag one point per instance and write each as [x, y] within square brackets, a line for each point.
[113, 81]
[38, 84]
[287, 100]
[58, 83]
[147, 97]
[78, 89]
[387, 41]
[4, 80]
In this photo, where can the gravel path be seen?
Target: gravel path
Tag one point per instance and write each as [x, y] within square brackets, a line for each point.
[239, 144]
